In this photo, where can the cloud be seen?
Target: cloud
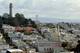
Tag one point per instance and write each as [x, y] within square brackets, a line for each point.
[66, 9]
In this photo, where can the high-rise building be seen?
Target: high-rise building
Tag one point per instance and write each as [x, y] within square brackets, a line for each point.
[10, 10]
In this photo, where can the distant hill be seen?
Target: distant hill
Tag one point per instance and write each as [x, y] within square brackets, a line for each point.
[55, 20]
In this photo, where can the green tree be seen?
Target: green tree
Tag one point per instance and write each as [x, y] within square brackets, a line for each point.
[19, 19]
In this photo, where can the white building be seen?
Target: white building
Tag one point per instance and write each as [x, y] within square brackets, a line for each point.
[14, 51]
[8, 28]
[4, 46]
[45, 46]
[15, 35]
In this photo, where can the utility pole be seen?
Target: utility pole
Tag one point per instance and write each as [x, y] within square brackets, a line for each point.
[58, 30]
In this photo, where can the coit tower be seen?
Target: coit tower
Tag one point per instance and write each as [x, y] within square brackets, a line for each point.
[10, 10]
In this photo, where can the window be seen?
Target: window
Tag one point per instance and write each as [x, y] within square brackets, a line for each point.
[44, 49]
[50, 49]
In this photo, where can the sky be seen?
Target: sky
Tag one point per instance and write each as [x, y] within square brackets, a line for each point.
[64, 9]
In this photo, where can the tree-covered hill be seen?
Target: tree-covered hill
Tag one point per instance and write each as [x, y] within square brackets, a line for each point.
[18, 20]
